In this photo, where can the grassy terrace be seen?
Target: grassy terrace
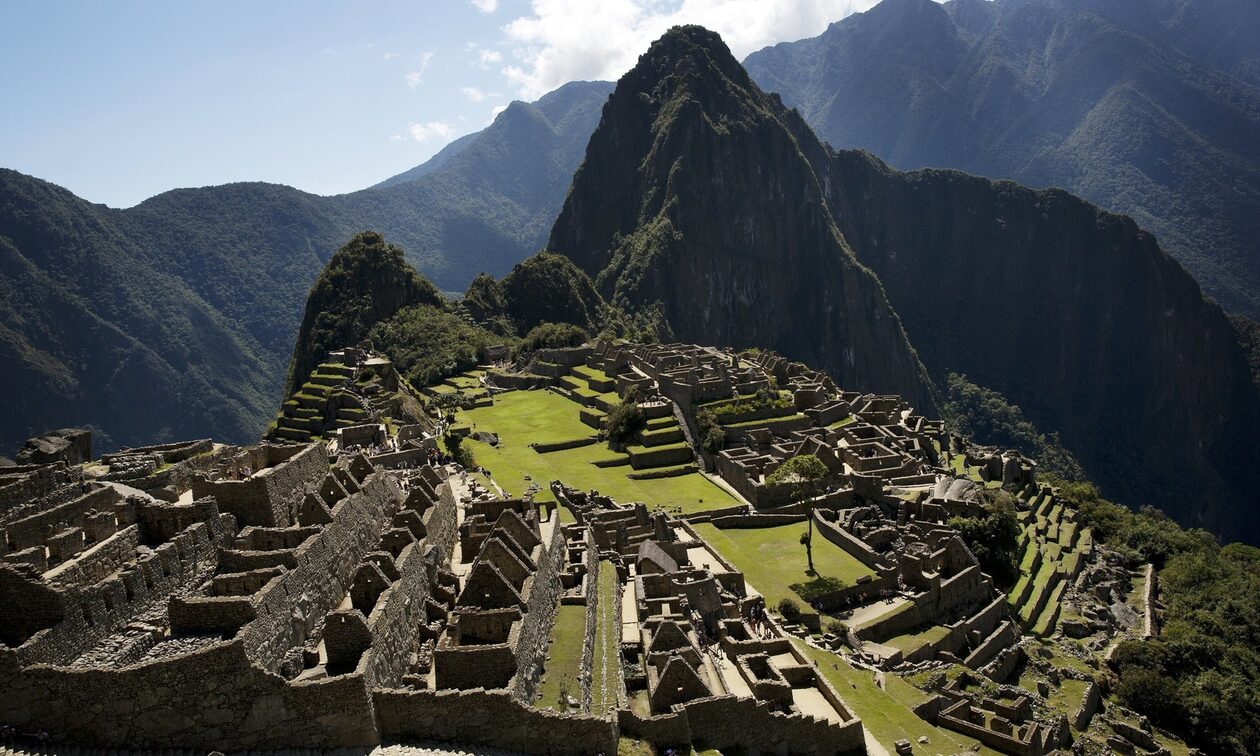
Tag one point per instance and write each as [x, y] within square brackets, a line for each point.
[606, 664]
[1059, 543]
[773, 560]
[564, 659]
[524, 417]
[885, 712]
[911, 642]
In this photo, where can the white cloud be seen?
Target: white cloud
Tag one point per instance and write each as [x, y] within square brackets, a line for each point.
[484, 56]
[486, 6]
[565, 40]
[476, 94]
[390, 56]
[495, 111]
[424, 132]
[415, 77]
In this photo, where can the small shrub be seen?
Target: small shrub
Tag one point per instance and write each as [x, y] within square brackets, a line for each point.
[625, 423]
[790, 610]
[838, 628]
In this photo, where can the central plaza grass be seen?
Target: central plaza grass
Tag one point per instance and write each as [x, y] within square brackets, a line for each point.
[564, 658]
[773, 559]
[520, 418]
[884, 713]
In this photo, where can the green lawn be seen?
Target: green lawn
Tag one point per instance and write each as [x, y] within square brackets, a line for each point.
[606, 664]
[911, 642]
[524, 417]
[885, 713]
[772, 559]
[560, 671]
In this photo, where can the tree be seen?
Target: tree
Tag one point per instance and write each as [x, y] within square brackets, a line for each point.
[993, 537]
[625, 422]
[803, 473]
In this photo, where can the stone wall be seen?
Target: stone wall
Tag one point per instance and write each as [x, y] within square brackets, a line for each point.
[27, 482]
[489, 718]
[400, 610]
[29, 530]
[213, 698]
[91, 614]
[850, 544]
[727, 722]
[544, 599]
[324, 572]
[592, 617]
[99, 561]
[270, 496]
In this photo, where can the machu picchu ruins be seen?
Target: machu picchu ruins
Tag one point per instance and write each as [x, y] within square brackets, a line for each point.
[479, 562]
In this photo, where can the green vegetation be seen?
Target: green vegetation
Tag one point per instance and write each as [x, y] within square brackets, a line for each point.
[987, 417]
[364, 282]
[885, 712]
[772, 560]
[549, 288]
[524, 417]
[790, 610]
[625, 423]
[801, 473]
[553, 336]
[764, 399]
[993, 538]
[564, 659]
[711, 433]
[1200, 677]
[430, 343]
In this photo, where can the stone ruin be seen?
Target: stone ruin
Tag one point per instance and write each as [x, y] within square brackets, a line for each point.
[344, 590]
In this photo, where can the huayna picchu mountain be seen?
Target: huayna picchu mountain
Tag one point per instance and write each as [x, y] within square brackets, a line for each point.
[704, 196]
[697, 195]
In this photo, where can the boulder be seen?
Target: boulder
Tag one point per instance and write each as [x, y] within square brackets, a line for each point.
[70, 445]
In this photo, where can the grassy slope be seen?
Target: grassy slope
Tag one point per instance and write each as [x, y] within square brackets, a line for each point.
[524, 417]
[772, 559]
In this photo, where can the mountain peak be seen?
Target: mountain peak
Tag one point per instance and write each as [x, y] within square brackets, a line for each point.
[668, 215]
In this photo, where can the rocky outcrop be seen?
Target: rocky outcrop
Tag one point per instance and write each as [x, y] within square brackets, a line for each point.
[1076, 316]
[697, 196]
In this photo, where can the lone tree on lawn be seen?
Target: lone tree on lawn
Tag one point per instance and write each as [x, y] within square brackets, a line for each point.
[803, 473]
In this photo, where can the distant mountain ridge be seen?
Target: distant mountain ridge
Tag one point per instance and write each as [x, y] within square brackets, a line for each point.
[1150, 108]
[193, 297]
[1070, 312]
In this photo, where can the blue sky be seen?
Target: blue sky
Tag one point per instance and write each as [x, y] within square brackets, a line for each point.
[120, 100]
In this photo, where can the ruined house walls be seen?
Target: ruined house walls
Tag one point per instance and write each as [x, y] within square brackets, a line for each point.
[723, 722]
[213, 698]
[99, 561]
[94, 613]
[401, 608]
[270, 496]
[592, 616]
[325, 568]
[31, 530]
[489, 718]
[967, 587]
[535, 634]
[29, 482]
